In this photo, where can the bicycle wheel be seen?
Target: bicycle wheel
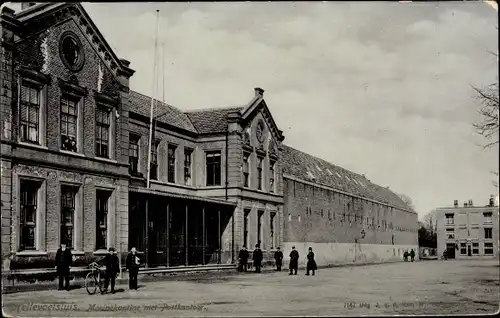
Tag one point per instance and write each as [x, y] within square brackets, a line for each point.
[90, 283]
[100, 282]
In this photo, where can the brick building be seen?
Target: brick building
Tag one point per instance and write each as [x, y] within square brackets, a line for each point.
[74, 145]
[468, 231]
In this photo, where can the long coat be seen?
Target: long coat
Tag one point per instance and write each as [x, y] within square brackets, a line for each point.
[257, 257]
[112, 264]
[131, 261]
[278, 256]
[243, 256]
[294, 259]
[63, 259]
[311, 263]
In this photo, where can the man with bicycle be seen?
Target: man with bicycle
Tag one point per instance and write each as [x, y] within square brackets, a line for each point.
[112, 269]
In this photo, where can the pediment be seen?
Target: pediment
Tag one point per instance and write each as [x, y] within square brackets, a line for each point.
[258, 106]
[42, 16]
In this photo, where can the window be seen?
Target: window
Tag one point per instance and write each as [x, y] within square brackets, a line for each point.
[450, 219]
[475, 248]
[488, 233]
[69, 120]
[259, 227]
[102, 198]
[153, 167]
[133, 158]
[246, 169]
[271, 172]
[488, 217]
[259, 174]
[29, 109]
[213, 162]
[271, 225]
[187, 166]
[488, 248]
[68, 195]
[102, 132]
[29, 200]
[171, 163]
[463, 248]
[450, 234]
[245, 227]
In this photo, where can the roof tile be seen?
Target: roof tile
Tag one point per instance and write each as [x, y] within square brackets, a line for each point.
[208, 121]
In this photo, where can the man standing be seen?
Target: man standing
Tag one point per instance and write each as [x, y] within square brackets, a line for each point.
[243, 258]
[112, 269]
[133, 264]
[63, 265]
[412, 255]
[257, 258]
[278, 257]
[311, 263]
[294, 261]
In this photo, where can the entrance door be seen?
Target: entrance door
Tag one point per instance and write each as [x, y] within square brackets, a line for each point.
[450, 251]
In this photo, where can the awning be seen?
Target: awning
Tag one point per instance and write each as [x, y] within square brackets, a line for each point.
[181, 196]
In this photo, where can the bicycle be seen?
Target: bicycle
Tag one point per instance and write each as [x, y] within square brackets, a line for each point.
[93, 279]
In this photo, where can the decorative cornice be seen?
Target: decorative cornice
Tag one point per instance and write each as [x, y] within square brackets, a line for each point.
[35, 75]
[247, 148]
[261, 152]
[106, 99]
[73, 87]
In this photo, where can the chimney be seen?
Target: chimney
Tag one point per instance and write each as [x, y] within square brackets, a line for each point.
[455, 203]
[26, 5]
[259, 92]
[465, 204]
[470, 203]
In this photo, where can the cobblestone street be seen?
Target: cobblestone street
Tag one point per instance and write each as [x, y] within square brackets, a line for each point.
[427, 287]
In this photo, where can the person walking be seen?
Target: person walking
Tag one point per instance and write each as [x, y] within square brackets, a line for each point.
[243, 259]
[278, 257]
[257, 258]
[64, 260]
[412, 255]
[311, 263]
[112, 269]
[294, 261]
[133, 263]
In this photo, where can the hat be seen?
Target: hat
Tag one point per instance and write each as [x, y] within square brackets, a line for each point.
[111, 249]
[310, 248]
[278, 248]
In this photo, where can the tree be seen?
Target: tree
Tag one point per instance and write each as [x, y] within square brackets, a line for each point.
[430, 221]
[488, 110]
[407, 200]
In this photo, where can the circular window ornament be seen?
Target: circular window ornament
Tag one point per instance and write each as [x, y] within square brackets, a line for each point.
[71, 51]
[260, 131]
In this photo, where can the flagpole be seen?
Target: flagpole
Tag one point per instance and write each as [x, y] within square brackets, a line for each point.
[152, 100]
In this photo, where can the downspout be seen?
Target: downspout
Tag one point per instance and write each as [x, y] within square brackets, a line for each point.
[227, 161]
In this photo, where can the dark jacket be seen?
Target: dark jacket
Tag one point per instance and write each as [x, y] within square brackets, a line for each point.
[278, 256]
[412, 253]
[311, 263]
[63, 259]
[131, 261]
[257, 257]
[294, 259]
[243, 256]
[112, 264]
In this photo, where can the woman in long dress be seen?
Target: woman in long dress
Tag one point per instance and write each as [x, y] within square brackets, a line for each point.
[311, 263]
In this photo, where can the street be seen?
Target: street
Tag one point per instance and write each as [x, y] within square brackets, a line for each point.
[425, 288]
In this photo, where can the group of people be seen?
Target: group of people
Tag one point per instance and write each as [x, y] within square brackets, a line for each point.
[64, 260]
[410, 254]
[257, 258]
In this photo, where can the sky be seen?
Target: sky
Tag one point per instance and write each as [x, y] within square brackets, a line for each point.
[379, 88]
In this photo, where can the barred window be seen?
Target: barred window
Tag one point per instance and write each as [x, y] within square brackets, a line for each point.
[102, 132]
[171, 163]
[213, 166]
[29, 197]
[102, 198]
[68, 195]
[153, 170]
[187, 166]
[29, 109]
[69, 120]
[133, 158]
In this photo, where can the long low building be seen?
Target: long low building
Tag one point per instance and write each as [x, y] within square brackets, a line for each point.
[75, 149]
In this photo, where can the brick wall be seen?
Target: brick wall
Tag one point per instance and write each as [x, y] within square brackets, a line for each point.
[315, 214]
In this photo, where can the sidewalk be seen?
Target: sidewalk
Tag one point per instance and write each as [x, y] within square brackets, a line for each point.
[167, 274]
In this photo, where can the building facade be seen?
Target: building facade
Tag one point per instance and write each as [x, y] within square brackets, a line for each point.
[75, 153]
[468, 231]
